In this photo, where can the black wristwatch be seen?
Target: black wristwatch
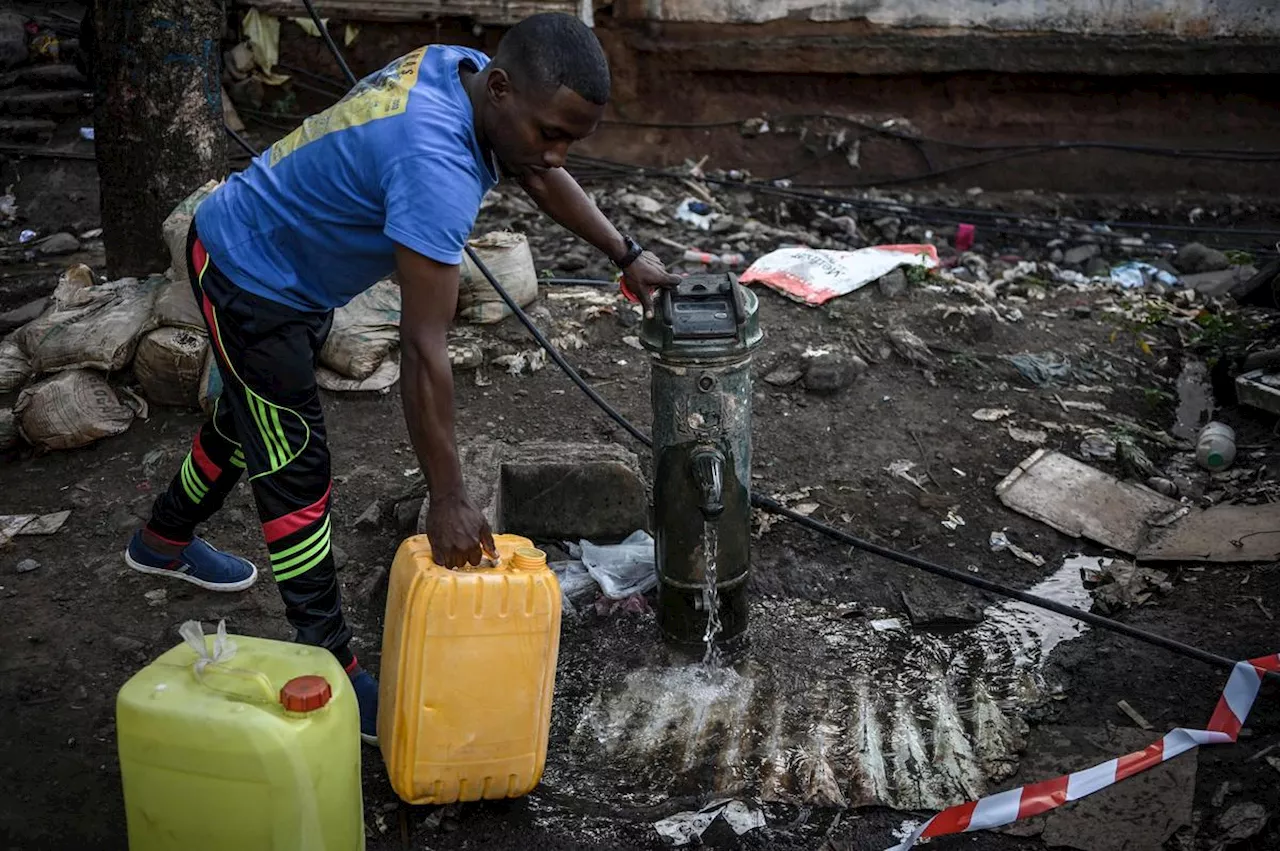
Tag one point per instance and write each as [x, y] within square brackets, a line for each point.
[634, 250]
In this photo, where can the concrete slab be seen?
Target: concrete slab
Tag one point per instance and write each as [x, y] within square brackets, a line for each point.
[555, 490]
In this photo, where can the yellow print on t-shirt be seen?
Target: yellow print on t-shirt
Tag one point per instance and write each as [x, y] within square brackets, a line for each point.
[376, 97]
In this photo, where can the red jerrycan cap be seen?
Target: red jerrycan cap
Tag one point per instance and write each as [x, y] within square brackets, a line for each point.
[304, 694]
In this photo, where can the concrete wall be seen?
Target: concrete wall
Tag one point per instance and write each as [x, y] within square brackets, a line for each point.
[1196, 18]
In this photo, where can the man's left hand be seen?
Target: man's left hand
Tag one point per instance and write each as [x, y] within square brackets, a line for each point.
[646, 274]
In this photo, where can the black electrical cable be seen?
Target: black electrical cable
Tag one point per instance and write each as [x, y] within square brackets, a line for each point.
[829, 531]
[240, 140]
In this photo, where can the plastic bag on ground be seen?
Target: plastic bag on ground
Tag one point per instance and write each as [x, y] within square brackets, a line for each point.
[74, 408]
[15, 366]
[575, 580]
[175, 229]
[364, 332]
[624, 569]
[814, 276]
[90, 325]
[169, 364]
[508, 257]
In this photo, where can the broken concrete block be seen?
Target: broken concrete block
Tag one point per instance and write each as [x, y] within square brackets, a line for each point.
[551, 490]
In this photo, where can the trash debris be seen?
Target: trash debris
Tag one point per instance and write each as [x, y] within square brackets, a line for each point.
[1117, 584]
[885, 624]
[706, 258]
[386, 375]
[530, 360]
[1134, 715]
[1000, 542]
[1259, 389]
[911, 348]
[964, 237]
[901, 469]
[157, 598]
[86, 133]
[1044, 368]
[1076, 405]
[13, 525]
[815, 276]
[1216, 447]
[26, 236]
[576, 582]
[697, 213]
[689, 828]
[1136, 275]
[1222, 534]
[624, 569]
[1098, 445]
[953, 521]
[1035, 437]
[1078, 500]
[991, 415]
[27, 565]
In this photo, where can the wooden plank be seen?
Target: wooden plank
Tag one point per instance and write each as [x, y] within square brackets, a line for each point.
[493, 12]
[1080, 501]
[1224, 533]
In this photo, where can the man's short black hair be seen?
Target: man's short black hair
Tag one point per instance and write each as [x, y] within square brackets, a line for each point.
[552, 49]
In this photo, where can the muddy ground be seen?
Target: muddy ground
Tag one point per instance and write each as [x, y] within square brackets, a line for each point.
[77, 627]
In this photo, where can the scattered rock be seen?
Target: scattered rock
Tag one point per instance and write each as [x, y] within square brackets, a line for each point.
[1241, 822]
[20, 316]
[407, 512]
[125, 644]
[1056, 256]
[893, 284]
[784, 376]
[641, 203]
[1097, 267]
[827, 374]
[340, 557]
[1194, 257]
[946, 612]
[371, 518]
[158, 597]
[27, 565]
[572, 262]
[890, 228]
[59, 243]
[1080, 254]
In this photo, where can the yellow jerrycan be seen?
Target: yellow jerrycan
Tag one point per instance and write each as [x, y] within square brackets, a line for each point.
[467, 674]
[240, 744]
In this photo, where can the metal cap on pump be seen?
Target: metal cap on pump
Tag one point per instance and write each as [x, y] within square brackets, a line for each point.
[704, 316]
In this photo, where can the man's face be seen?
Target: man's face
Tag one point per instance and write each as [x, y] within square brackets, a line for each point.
[530, 131]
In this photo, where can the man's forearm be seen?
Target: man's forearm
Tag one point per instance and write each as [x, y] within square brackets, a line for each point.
[560, 197]
[428, 410]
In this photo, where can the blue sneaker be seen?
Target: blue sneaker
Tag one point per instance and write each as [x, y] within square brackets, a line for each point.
[366, 688]
[198, 563]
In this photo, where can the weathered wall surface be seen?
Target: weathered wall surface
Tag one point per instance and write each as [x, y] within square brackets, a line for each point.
[1196, 18]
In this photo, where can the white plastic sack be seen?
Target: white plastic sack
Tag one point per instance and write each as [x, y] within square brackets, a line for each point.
[74, 408]
[15, 366]
[176, 305]
[622, 570]
[90, 325]
[176, 227]
[383, 377]
[814, 276]
[169, 364]
[364, 332]
[508, 257]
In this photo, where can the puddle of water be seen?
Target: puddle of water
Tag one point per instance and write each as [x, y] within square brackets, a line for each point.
[1195, 400]
[711, 595]
[1039, 631]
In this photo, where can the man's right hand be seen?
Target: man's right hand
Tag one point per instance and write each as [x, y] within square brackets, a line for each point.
[458, 532]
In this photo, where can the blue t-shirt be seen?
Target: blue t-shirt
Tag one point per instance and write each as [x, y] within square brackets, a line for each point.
[314, 220]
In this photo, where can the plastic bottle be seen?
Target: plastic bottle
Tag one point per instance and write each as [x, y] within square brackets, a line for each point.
[1216, 446]
[468, 672]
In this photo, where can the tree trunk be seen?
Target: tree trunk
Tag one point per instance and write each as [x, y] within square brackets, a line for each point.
[158, 119]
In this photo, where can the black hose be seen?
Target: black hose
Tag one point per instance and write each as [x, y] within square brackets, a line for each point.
[328, 40]
[778, 508]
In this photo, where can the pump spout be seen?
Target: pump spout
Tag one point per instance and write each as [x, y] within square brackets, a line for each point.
[707, 466]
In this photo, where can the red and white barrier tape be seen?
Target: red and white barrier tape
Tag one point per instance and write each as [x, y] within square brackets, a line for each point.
[1007, 807]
